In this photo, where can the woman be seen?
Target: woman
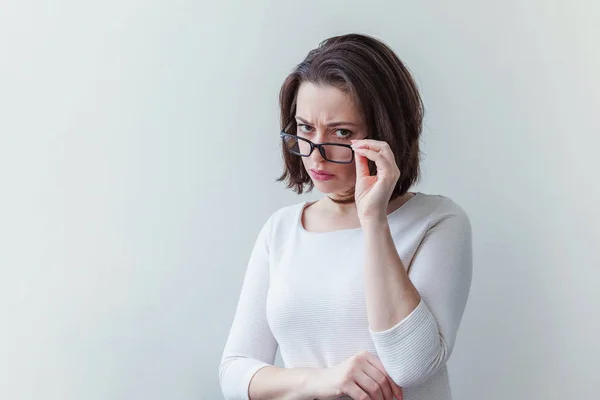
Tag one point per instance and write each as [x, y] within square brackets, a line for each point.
[363, 291]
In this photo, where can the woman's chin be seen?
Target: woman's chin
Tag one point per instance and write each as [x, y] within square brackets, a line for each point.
[328, 187]
[324, 187]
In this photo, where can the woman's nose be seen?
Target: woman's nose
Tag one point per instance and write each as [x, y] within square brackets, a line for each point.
[316, 154]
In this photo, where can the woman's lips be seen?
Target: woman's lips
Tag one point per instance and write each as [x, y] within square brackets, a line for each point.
[321, 175]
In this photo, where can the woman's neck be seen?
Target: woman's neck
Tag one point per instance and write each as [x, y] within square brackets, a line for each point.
[337, 207]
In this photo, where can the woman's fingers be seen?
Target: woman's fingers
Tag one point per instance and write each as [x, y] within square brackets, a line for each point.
[382, 380]
[383, 163]
[362, 165]
[356, 392]
[370, 154]
[375, 362]
[370, 144]
[369, 386]
[381, 147]
[397, 390]
[377, 151]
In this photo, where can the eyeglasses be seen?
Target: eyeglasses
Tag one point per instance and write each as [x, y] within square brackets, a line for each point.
[334, 152]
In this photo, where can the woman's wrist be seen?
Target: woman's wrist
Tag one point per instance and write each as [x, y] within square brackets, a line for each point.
[309, 389]
[375, 224]
[285, 383]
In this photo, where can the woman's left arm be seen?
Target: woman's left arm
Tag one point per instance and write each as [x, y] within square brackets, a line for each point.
[413, 317]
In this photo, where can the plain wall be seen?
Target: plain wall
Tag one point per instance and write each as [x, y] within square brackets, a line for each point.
[138, 152]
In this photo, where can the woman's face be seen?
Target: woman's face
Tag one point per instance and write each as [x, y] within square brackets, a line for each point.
[326, 114]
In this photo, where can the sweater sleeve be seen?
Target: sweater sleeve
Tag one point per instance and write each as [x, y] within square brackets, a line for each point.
[441, 270]
[250, 345]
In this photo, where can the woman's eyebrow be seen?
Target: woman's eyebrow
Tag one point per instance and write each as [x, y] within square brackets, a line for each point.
[329, 124]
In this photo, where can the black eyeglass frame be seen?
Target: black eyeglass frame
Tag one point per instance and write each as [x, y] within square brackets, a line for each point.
[283, 134]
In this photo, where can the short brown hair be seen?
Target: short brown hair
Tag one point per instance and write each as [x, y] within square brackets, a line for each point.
[383, 89]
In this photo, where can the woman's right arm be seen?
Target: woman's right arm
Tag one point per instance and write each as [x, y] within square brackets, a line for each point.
[246, 370]
[282, 383]
[250, 345]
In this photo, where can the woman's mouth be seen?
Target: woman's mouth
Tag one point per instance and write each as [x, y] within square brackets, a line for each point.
[321, 175]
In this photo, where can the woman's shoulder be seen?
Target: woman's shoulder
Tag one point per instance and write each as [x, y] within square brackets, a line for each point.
[441, 204]
[437, 207]
[284, 217]
[287, 212]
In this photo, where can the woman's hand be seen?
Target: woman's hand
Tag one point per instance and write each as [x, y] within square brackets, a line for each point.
[372, 193]
[362, 377]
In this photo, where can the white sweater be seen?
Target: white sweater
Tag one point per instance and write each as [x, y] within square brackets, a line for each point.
[304, 292]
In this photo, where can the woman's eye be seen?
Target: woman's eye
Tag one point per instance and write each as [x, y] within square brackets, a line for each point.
[304, 128]
[342, 133]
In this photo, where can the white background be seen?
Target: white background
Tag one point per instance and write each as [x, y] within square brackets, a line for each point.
[138, 152]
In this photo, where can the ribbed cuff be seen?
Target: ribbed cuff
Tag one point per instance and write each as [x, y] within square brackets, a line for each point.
[408, 343]
[248, 377]
[239, 373]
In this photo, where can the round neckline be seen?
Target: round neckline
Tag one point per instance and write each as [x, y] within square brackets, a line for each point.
[305, 204]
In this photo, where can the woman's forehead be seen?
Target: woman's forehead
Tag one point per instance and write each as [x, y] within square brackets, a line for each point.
[325, 103]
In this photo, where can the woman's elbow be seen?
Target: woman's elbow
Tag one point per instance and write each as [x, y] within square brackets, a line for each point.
[419, 372]
[409, 379]
[223, 374]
